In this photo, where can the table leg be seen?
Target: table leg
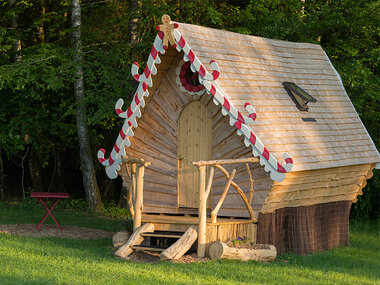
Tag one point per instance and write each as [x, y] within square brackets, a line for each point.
[47, 213]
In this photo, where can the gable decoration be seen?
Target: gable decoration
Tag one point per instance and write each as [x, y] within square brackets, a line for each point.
[165, 34]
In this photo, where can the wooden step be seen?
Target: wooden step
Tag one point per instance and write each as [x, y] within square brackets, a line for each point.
[162, 235]
[150, 248]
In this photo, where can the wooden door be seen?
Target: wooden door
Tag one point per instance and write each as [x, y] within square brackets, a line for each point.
[194, 138]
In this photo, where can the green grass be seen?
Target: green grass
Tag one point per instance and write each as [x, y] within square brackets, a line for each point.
[27, 260]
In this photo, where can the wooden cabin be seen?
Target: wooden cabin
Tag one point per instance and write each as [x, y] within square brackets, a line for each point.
[215, 114]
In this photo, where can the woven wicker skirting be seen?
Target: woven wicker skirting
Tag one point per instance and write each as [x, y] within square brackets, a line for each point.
[306, 229]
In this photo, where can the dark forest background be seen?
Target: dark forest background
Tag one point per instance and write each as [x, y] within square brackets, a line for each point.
[38, 134]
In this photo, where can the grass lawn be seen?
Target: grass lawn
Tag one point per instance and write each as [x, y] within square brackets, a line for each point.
[27, 260]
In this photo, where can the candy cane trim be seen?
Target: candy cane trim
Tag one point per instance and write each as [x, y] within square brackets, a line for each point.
[112, 164]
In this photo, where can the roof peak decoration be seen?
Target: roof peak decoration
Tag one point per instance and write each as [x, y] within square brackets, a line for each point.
[188, 80]
[164, 36]
[167, 29]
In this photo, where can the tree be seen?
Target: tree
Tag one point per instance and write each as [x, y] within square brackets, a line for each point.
[88, 172]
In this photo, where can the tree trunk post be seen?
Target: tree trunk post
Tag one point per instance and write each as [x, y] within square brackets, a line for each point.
[88, 172]
[202, 212]
[139, 197]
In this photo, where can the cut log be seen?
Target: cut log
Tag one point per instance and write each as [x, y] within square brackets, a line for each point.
[226, 161]
[259, 252]
[134, 239]
[120, 238]
[181, 246]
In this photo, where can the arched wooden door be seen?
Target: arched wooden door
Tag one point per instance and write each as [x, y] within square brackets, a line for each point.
[194, 138]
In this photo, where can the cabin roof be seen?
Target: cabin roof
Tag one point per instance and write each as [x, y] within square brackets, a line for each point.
[252, 69]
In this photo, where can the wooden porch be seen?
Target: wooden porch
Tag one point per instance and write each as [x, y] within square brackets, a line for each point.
[223, 230]
[209, 226]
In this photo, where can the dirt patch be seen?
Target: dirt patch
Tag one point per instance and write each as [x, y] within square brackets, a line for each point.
[191, 258]
[54, 231]
[152, 257]
[144, 256]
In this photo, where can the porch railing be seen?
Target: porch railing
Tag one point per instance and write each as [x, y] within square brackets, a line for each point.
[205, 189]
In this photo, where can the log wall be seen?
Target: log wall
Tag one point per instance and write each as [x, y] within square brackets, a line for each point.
[155, 140]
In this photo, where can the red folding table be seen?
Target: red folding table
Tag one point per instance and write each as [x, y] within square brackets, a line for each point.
[55, 196]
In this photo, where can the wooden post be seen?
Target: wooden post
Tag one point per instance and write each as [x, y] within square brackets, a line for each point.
[250, 183]
[130, 196]
[133, 174]
[138, 197]
[202, 212]
[238, 189]
[209, 182]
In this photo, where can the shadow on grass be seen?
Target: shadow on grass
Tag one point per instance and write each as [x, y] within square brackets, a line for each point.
[31, 212]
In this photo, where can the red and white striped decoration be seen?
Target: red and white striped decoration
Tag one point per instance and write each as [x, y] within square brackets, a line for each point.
[270, 163]
[112, 163]
[241, 122]
[150, 67]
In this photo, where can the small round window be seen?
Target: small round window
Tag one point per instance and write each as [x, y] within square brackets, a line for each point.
[189, 80]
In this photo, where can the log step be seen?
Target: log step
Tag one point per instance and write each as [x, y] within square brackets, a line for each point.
[162, 235]
[150, 248]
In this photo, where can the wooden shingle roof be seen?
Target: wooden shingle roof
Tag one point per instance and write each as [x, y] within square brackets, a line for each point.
[252, 70]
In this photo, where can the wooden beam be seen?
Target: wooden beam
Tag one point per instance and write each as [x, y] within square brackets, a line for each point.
[135, 161]
[209, 182]
[250, 184]
[133, 194]
[181, 246]
[131, 185]
[214, 212]
[139, 197]
[238, 189]
[226, 161]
